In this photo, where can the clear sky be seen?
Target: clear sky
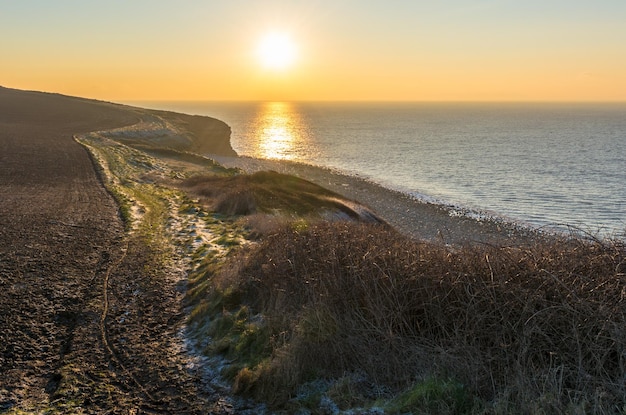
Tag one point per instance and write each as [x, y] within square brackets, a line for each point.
[417, 50]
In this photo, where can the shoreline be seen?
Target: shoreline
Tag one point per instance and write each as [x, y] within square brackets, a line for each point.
[419, 217]
[413, 217]
[532, 189]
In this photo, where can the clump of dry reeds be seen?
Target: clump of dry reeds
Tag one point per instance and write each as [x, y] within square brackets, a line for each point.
[512, 323]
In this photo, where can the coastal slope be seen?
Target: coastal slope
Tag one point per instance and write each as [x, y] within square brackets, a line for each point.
[131, 305]
[67, 266]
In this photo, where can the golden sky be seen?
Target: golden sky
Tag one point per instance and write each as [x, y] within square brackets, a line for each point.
[393, 50]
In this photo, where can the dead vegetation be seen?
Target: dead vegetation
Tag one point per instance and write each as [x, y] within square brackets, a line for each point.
[514, 329]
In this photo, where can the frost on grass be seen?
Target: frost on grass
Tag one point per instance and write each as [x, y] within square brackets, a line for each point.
[165, 217]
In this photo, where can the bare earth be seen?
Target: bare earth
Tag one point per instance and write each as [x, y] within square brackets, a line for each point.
[83, 326]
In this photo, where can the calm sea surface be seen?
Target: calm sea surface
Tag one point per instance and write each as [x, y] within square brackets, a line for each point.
[540, 164]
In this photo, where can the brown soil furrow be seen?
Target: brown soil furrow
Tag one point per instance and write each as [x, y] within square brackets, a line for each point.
[88, 324]
[104, 330]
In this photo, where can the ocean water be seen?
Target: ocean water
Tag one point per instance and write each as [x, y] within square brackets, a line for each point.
[536, 164]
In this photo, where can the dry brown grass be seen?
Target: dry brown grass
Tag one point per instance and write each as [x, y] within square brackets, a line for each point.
[541, 327]
[272, 192]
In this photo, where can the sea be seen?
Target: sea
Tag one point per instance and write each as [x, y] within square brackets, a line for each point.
[545, 165]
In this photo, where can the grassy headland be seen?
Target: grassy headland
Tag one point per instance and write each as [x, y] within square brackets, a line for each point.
[315, 304]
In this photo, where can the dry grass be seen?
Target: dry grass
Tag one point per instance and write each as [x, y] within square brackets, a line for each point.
[271, 192]
[525, 329]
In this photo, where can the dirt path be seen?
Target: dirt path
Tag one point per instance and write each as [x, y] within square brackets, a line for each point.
[87, 324]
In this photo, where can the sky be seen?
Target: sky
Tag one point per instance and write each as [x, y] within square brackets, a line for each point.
[348, 50]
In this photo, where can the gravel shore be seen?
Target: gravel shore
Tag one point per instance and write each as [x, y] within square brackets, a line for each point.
[413, 217]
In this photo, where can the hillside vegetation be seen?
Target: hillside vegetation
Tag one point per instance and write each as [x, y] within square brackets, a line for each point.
[419, 327]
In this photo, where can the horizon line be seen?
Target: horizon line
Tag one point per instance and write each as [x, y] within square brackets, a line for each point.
[364, 101]
[406, 101]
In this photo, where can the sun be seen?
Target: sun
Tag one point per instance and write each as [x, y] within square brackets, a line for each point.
[276, 51]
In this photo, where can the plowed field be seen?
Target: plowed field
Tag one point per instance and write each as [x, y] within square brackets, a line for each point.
[86, 326]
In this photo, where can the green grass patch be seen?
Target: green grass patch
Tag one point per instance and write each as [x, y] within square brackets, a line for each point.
[234, 333]
[433, 396]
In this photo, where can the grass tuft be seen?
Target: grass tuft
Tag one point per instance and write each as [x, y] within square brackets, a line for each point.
[433, 396]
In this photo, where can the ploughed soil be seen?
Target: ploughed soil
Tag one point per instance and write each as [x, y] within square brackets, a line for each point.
[87, 324]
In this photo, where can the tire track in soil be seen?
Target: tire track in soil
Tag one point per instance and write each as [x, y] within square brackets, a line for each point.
[71, 318]
[84, 328]
[104, 330]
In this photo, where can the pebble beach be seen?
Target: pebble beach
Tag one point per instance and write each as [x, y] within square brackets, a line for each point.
[412, 217]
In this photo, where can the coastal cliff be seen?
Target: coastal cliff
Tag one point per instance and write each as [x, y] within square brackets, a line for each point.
[206, 135]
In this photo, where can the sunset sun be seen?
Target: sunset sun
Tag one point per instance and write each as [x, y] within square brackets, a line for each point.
[276, 51]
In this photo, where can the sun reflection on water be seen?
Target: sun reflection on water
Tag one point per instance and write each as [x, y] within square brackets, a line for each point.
[278, 129]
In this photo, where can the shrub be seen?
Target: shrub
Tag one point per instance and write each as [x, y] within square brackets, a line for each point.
[542, 321]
